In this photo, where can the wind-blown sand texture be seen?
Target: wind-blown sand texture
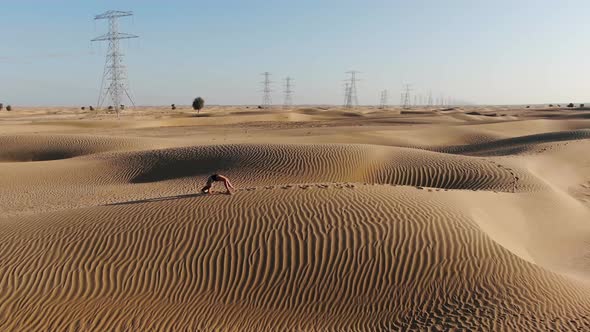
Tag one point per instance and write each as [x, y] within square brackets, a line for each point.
[366, 220]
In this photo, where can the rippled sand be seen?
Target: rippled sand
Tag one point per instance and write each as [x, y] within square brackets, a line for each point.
[368, 220]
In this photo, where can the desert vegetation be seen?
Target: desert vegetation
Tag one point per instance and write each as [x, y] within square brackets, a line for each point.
[198, 104]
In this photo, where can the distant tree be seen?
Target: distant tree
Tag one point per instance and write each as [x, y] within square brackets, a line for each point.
[8, 108]
[550, 105]
[173, 106]
[570, 105]
[528, 107]
[1, 106]
[82, 108]
[581, 106]
[110, 108]
[198, 104]
[122, 107]
[558, 105]
[91, 108]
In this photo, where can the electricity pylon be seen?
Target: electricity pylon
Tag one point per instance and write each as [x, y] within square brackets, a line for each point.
[406, 99]
[288, 102]
[346, 93]
[266, 91]
[351, 99]
[383, 101]
[114, 70]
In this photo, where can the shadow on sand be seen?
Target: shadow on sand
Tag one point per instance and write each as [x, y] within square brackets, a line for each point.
[167, 198]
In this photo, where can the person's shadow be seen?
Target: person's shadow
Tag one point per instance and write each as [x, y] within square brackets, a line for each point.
[168, 198]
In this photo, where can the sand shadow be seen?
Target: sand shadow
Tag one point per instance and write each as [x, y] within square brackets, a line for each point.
[167, 198]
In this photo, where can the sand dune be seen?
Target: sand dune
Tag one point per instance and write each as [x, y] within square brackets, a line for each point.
[54, 147]
[516, 145]
[40, 186]
[373, 257]
[423, 220]
[279, 164]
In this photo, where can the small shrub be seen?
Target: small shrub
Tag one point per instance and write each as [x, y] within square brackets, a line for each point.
[173, 106]
[198, 104]
[528, 107]
[110, 108]
[91, 108]
[122, 107]
[82, 108]
[9, 108]
[570, 105]
[550, 105]
[1, 106]
[581, 106]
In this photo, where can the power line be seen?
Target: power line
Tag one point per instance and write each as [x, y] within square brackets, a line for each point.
[351, 99]
[114, 70]
[288, 102]
[266, 90]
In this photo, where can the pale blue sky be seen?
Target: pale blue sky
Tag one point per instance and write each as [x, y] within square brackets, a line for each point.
[487, 52]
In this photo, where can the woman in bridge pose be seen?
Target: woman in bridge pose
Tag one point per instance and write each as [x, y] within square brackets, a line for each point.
[216, 178]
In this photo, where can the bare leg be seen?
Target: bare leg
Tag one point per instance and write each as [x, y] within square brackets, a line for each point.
[227, 186]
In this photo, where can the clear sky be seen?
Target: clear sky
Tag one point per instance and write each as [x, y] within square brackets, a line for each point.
[485, 52]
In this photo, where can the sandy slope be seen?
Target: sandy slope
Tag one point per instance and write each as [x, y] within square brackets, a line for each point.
[430, 219]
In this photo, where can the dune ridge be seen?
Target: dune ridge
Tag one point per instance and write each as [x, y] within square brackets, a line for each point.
[40, 186]
[291, 163]
[516, 145]
[22, 148]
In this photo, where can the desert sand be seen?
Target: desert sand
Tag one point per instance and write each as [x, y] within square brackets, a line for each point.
[469, 218]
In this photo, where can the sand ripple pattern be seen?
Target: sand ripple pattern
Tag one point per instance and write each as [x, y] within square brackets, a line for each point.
[20, 148]
[516, 145]
[279, 164]
[333, 257]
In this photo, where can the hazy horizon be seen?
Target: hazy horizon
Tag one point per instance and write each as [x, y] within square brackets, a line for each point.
[499, 53]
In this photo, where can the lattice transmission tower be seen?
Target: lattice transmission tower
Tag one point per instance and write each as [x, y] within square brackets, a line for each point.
[351, 99]
[266, 91]
[346, 88]
[114, 77]
[383, 100]
[406, 96]
[288, 102]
